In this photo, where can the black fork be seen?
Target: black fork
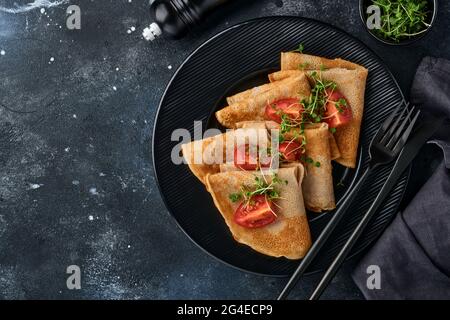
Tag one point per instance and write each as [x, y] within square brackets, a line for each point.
[384, 148]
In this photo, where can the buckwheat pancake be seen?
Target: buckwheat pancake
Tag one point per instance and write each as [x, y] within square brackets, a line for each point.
[256, 91]
[318, 182]
[200, 149]
[351, 83]
[272, 125]
[288, 236]
[318, 190]
[296, 61]
[253, 109]
[205, 156]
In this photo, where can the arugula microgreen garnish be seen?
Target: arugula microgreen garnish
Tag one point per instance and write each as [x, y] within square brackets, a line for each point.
[300, 48]
[340, 184]
[313, 112]
[303, 66]
[309, 160]
[340, 104]
[402, 19]
[260, 186]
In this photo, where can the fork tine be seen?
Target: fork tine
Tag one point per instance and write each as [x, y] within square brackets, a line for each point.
[393, 127]
[399, 131]
[387, 123]
[401, 142]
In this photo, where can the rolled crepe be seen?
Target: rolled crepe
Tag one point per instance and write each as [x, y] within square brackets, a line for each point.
[284, 74]
[289, 235]
[271, 125]
[334, 149]
[301, 61]
[318, 182]
[200, 149]
[254, 92]
[205, 156]
[352, 84]
[253, 108]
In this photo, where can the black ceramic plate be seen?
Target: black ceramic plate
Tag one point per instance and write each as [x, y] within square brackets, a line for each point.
[233, 60]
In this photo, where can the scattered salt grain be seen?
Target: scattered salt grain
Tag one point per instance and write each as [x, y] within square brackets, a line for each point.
[128, 246]
[74, 116]
[93, 191]
[42, 10]
[101, 174]
[2, 52]
[114, 88]
[169, 67]
[34, 186]
[75, 182]
[117, 69]
[91, 218]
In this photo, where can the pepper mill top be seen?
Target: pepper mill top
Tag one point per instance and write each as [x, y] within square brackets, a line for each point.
[174, 18]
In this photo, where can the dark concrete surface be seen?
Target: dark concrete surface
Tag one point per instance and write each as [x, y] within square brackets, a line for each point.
[76, 180]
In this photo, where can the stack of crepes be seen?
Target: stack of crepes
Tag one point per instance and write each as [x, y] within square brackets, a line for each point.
[307, 184]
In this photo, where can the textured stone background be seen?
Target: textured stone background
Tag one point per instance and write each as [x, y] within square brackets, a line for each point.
[76, 181]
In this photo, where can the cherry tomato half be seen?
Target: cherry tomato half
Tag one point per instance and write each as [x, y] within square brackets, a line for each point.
[338, 112]
[290, 106]
[258, 212]
[290, 151]
[247, 160]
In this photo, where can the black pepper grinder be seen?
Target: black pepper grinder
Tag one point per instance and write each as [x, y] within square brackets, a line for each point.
[174, 18]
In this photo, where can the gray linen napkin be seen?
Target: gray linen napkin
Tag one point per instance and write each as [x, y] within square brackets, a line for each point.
[413, 254]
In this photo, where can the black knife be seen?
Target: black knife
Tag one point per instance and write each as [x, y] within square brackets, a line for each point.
[409, 152]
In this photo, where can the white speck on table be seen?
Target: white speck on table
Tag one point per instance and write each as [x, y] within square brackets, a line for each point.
[34, 186]
[2, 52]
[93, 191]
[91, 218]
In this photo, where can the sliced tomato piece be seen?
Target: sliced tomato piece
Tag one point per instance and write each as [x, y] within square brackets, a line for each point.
[256, 213]
[247, 159]
[337, 110]
[290, 107]
[290, 151]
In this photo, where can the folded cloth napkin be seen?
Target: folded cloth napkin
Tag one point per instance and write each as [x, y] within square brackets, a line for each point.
[413, 254]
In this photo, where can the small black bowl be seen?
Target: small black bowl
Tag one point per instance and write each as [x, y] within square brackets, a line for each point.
[363, 4]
